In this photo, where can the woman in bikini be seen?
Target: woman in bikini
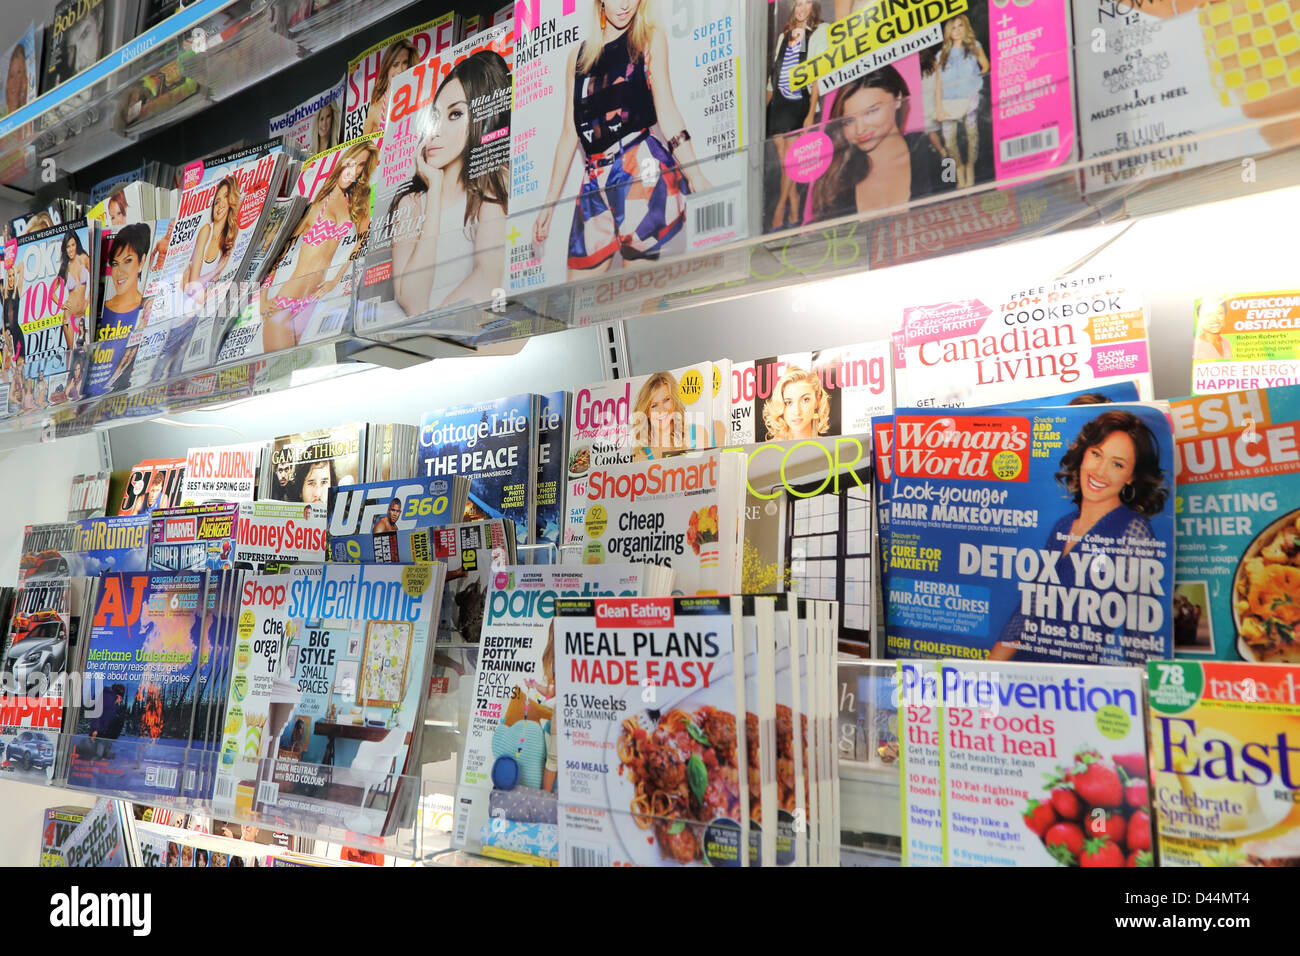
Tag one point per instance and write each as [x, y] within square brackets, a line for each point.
[216, 239]
[340, 212]
[74, 276]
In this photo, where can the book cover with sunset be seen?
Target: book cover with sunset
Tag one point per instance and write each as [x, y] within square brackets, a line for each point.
[142, 659]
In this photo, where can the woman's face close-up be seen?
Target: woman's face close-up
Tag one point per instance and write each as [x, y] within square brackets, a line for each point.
[316, 488]
[800, 408]
[870, 115]
[16, 81]
[446, 141]
[325, 121]
[401, 63]
[351, 171]
[802, 10]
[70, 247]
[116, 214]
[125, 268]
[620, 13]
[1107, 468]
[1214, 321]
[661, 408]
[956, 30]
[221, 204]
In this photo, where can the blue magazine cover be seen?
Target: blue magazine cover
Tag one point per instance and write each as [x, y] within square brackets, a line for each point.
[142, 660]
[552, 460]
[194, 537]
[1032, 534]
[101, 545]
[359, 512]
[493, 444]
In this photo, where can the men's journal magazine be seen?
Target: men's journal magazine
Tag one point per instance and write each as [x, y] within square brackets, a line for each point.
[1032, 534]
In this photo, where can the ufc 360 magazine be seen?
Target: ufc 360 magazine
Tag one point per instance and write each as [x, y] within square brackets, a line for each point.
[644, 155]
[505, 800]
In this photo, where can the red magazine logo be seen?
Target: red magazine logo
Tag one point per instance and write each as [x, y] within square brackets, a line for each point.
[179, 528]
[971, 449]
[883, 436]
[634, 612]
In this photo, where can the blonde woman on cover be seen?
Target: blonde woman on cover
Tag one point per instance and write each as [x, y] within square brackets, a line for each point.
[618, 103]
[398, 58]
[340, 210]
[658, 420]
[322, 129]
[799, 407]
[962, 68]
[216, 239]
[1210, 345]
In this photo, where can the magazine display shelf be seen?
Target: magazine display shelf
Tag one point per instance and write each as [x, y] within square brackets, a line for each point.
[224, 46]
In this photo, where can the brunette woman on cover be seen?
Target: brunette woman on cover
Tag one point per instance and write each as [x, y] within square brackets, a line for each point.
[617, 91]
[1210, 345]
[1112, 472]
[788, 109]
[799, 407]
[398, 58]
[216, 239]
[875, 166]
[458, 253]
[74, 278]
[341, 210]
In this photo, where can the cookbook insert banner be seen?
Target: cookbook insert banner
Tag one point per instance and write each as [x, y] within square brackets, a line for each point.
[1043, 535]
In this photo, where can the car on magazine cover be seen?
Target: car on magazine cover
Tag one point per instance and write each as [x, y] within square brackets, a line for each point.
[41, 652]
[45, 564]
[30, 751]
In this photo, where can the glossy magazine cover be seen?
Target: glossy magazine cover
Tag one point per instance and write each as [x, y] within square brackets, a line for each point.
[1038, 765]
[1221, 745]
[275, 534]
[613, 161]
[37, 656]
[620, 421]
[1042, 535]
[1236, 584]
[144, 651]
[22, 79]
[1023, 343]
[153, 483]
[680, 756]
[312, 126]
[357, 513]
[494, 445]
[222, 473]
[515, 707]
[552, 468]
[448, 123]
[872, 107]
[371, 73]
[306, 293]
[305, 466]
[193, 537]
[1246, 340]
[810, 394]
[126, 254]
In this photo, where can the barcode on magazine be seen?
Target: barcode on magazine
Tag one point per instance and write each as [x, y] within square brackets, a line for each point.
[588, 855]
[190, 777]
[333, 322]
[715, 216]
[198, 348]
[225, 788]
[367, 312]
[163, 777]
[1027, 145]
[268, 793]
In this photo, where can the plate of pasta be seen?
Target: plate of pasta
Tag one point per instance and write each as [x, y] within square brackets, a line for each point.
[677, 783]
[1266, 594]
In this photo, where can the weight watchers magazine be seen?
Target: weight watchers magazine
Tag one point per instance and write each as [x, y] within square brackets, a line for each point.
[611, 162]
[657, 782]
[1236, 589]
[312, 126]
[1040, 535]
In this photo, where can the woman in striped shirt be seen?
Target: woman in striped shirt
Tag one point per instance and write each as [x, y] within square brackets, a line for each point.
[789, 109]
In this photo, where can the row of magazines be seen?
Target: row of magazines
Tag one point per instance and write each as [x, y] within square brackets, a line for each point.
[432, 179]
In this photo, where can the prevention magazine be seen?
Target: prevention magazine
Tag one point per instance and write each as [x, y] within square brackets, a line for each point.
[1038, 765]
[506, 808]
[370, 74]
[1246, 340]
[1064, 335]
[494, 445]
[1220, 760]
[810, 394]
[1210, 71]
[143, 648]
[1236, 593]
[1043, 535]
[620, 421]
[449, 118]
[624, 759]
[871, 108]
[686, 513]
[569, 171]
[312, 126]
[305, 295]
